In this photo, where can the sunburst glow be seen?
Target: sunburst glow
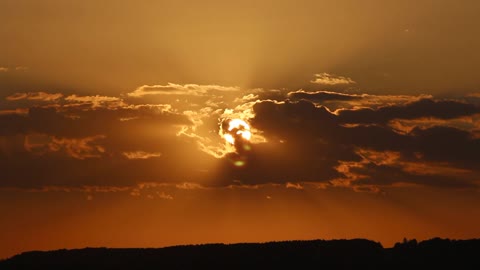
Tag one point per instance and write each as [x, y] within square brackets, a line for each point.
[237, 128]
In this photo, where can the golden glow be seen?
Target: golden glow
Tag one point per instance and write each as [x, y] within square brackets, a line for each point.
[237, 128]
[229, 138]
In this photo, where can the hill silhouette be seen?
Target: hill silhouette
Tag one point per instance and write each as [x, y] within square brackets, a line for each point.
[336, 254]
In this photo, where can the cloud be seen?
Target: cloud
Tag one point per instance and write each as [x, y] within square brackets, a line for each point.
[293, 152]
[368, 143]
[83, 189]
[444, 109]
[81, 148]
[151, 190]
[96, 101]
[311, 140]
[41, 96]
[378, 170]
[246, 98]
[323, 95]
[178, 89]
[329, 79]
[447, 144]
[18, 111]
[141, 155]
[338, 101]
[189, 186]
[19, 68]
[470, 123]
[60, 146]
[163, 195]
[294, 186]
[206, 107]
[78, 121]
[382, 175]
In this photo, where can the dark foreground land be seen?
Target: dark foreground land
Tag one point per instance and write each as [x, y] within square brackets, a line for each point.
[315, 254]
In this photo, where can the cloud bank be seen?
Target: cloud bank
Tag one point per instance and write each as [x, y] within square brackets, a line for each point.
[328, 139]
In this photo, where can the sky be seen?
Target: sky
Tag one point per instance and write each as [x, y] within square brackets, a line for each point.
[158, 123]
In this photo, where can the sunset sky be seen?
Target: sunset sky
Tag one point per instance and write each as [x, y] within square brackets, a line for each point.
[352, 119]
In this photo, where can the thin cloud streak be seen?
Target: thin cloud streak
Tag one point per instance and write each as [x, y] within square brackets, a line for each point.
[330, 79]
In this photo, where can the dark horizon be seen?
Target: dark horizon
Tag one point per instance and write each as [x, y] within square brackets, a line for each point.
[403, 242]
[339, 253]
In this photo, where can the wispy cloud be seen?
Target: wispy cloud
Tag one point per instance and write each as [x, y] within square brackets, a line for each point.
[19, 68]
[78, 148]
[42, 96]
[18, 111]
[141, 155]
[179, 89]
[294, 186]
[330, 79]
[96, 101]
[324, 96]
[165, 196]
[187, 185]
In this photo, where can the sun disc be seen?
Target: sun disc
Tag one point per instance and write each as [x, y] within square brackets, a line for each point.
[237, 129]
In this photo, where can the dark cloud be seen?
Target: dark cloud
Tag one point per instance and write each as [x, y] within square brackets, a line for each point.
[25, 170]
[85, 145]
[312, 142]
[282, 163]
[384, 175]
[422, 108]
[447, 144]
[288, 120]
[77, 141]
[322, 96]
[78, 122]
[179, 90]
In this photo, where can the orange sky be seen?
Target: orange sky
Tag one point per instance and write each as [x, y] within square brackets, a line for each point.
[363, 122]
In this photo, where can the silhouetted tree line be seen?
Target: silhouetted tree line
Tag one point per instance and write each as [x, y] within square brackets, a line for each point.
[314, 254]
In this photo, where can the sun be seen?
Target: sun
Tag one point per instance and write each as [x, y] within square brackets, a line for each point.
[237, 129]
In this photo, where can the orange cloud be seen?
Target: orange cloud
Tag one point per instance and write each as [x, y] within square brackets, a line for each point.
[163, 195]
[468, 123]
[294, 186]
[187, 185]
[329, 79]
[337, 101]
[41, 96]
[81, 148]
[141, 155]
[96, 101]
[378, 169]
[18, 111]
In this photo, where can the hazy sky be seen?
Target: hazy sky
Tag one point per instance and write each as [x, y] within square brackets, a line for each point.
[363, 120]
